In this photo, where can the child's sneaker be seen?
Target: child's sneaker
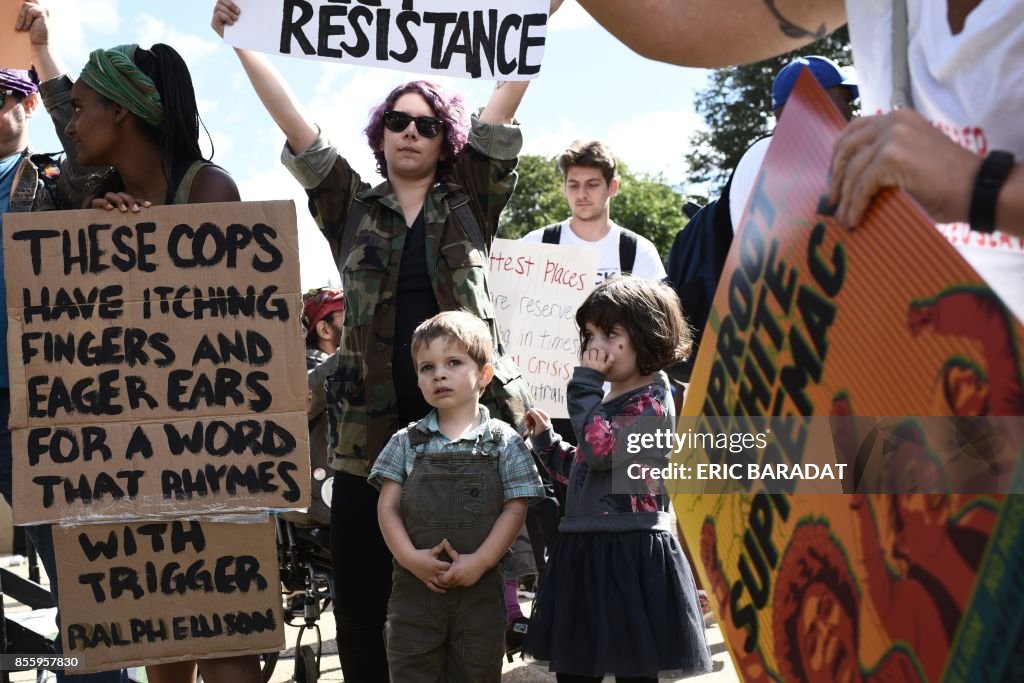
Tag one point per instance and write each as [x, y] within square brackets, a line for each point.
[515, 635]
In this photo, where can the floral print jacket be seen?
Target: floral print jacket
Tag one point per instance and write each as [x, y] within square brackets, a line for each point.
[608, 488]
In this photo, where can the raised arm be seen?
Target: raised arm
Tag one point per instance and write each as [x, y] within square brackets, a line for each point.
[75, 183]
[505, 100]
[277, 98]
[507, 95]
[33, 18]
[716, 33]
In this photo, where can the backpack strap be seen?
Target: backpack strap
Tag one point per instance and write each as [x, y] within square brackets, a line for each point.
[627, 251]
[552, 234]
[356, 211]
[458, 203]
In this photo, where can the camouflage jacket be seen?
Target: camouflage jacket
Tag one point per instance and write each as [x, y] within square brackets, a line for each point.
[360, 393]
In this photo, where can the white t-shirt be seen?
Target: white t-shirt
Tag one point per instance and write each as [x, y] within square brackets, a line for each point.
[647, 265]
[743, 180]
[970, 86]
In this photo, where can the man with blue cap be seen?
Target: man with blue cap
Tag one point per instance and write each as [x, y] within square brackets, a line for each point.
[841, 89]
[839, 86]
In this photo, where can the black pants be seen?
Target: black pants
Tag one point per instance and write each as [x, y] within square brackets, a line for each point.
[362, 579]
[571, 678]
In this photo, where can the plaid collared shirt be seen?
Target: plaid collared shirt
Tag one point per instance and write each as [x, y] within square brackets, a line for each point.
[361, 403]
[516, 468]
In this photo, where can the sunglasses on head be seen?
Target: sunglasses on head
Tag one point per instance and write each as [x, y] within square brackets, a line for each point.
[427, 126]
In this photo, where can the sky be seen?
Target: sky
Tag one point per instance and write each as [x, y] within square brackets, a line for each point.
[590, 86]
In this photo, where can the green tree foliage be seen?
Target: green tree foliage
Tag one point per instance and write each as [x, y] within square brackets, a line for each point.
[538, 199]
[737, 108]
[645, 204]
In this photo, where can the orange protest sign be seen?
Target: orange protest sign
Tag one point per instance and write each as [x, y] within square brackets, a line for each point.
[15, 51]
[810, 321]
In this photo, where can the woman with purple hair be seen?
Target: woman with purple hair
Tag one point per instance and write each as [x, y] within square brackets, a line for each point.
[405, 255]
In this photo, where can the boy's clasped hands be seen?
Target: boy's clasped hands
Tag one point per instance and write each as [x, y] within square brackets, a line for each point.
[465, 569]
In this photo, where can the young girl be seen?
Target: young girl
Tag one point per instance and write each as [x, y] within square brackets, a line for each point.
[619, 597]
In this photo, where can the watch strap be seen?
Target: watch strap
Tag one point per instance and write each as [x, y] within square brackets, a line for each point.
[992, 175]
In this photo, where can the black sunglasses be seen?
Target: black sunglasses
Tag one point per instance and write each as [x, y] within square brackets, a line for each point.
[427, 126]
[4, 94]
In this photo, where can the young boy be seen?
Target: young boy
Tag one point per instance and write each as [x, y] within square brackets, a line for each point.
[454, 489]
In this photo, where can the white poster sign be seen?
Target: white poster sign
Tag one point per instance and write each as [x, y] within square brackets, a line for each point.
[492, 39]
[536, 289]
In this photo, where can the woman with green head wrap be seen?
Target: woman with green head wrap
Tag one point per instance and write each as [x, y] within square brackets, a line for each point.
[135, 111]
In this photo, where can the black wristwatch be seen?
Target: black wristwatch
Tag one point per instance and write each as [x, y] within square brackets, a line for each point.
[992, 175]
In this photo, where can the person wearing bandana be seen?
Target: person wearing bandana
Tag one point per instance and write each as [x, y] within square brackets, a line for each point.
[36, 182]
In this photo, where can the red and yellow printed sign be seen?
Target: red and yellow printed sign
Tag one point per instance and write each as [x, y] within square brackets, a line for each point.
[811, 319]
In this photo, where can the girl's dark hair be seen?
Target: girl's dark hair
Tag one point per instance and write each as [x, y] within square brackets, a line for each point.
[447, 106]
[178, 138]
[648, 311]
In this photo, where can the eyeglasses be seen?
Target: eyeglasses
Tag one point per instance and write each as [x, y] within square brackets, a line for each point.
[4, 94]
[427, 126]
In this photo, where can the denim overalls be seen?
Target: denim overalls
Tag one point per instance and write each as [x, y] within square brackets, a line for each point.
[458, 635]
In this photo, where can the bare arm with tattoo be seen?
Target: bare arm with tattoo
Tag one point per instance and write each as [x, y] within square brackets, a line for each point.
[716, 33]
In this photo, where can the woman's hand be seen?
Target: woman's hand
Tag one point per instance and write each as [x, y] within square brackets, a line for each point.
[120, 200]
[537, 421]
[225, 13]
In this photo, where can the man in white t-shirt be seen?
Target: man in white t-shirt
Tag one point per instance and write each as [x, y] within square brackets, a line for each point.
[588, 169]
[839, 86]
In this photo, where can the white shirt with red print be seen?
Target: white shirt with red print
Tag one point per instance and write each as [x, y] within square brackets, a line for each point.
[970, 86]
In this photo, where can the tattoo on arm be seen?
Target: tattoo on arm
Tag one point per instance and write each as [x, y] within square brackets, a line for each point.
[791, 29]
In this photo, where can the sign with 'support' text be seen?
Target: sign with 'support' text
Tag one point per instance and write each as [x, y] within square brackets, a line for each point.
[886, 333]
[536, 289]
[156, 362]
[499, 40]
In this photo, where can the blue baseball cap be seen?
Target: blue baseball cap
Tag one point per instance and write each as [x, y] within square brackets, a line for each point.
[823, 69]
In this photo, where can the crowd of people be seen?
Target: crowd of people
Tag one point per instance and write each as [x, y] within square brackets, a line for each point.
[414, 406]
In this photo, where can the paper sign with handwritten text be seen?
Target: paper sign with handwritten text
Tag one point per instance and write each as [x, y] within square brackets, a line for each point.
[536, 289]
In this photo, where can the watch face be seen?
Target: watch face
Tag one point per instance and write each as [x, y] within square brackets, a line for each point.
[326, 491]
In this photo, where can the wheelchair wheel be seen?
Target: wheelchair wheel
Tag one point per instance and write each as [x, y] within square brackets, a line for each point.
[268, 662]
[307, 669]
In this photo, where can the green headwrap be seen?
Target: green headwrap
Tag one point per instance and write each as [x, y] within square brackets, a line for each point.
[113, 74]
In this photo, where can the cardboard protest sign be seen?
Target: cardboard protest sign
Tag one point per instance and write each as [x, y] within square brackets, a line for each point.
[156, 362]
[536, 289]
[490, 39]
[15, 50]
[146, 593]
[812, 322]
